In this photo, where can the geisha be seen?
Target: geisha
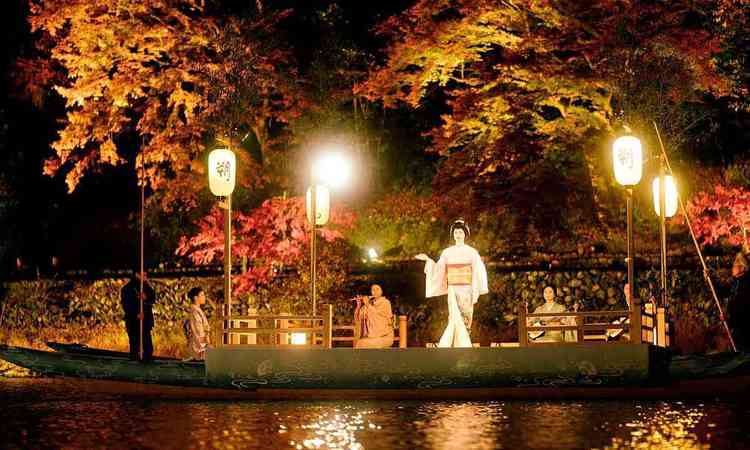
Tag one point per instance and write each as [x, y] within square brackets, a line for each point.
[459, 273]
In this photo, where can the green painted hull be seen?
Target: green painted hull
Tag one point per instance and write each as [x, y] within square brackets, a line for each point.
[562, 372]
[169, 372]
[430, 368]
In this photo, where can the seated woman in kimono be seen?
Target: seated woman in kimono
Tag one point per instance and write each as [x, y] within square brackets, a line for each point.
[197, 328]
[459, 273]
[373, 320]
[615, 333]
[550, 306]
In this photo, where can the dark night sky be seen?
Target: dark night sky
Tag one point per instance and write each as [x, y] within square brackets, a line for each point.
[90, 228]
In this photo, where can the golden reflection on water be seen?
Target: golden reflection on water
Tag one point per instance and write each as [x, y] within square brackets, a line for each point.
[460, 425]
[330, 430]
[437, 425]
[668, 426]
[58, 414]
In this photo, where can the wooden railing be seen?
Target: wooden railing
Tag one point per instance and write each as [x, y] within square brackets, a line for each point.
[655, 326]
[577, 323]
[399, 335]
[317, 329]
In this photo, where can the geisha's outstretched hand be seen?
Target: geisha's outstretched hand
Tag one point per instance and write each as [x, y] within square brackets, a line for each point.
[422, 257]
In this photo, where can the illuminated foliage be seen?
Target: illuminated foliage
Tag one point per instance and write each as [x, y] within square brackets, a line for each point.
[527, 89]
[721, 216]
[275, 238]
[168, 72]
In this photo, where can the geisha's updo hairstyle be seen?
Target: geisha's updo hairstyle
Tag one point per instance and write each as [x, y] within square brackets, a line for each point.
[460, 224]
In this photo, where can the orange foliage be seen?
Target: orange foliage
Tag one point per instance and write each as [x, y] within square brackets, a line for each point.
[165, 71]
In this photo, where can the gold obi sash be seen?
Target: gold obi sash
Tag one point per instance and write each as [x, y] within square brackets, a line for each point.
[459, 274]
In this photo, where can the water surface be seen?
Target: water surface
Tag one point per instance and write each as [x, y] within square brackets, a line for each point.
[62, 413]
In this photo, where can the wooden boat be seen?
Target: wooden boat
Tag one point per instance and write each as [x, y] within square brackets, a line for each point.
[721, 375]
[83, 349]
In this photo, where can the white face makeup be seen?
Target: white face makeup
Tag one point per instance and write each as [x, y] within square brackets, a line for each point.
[459, 235]
[376, 291]
[549, 294]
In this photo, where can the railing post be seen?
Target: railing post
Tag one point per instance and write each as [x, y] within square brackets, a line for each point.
[523, 335]
[328, 327]
[635, 321]
[280, 338]
[661, 327]
[252, 339]
[579, 332]
[401, 331]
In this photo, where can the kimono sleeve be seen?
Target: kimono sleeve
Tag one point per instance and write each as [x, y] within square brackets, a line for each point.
[435, 277]
[479, 277]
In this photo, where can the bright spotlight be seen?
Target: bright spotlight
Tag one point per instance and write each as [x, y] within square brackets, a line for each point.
[332, 169]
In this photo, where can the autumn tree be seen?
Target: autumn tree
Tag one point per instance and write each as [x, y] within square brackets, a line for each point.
[274, 239]
[527, 91]
[722, 216]
[163, 76]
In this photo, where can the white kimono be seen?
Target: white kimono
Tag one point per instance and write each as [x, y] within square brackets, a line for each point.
[461, 274]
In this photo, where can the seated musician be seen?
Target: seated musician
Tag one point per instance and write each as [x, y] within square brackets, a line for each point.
[550, 306]
[373, 320]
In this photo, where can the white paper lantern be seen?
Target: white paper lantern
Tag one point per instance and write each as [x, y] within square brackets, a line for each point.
[222, 169]
[322, 205]
[627, 156]
[670, 197]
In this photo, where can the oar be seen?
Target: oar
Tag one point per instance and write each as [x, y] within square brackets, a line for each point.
[143, 209]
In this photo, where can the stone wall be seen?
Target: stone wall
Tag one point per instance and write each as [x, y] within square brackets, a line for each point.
[82, 310]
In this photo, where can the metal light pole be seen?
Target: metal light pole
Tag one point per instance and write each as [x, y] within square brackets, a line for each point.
[313, 257]
[329, 170]
[227, 309]
[631, 246]
[222, 170]
[665, 205]
[663, 232]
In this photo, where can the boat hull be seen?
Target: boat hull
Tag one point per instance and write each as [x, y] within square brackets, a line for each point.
[724, 376]
[168, 372]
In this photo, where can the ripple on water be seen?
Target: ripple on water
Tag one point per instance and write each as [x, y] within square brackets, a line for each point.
[60, 413]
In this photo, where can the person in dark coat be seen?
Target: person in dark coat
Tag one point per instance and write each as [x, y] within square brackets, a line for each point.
[738, 310]
[131, 306]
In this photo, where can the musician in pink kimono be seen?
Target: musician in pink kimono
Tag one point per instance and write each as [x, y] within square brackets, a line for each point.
[459, 273]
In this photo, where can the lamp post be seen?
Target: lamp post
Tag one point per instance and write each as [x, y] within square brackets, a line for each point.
[222, 170]
[627, 156]
[318, 206]
[665, 206]
[329, 170]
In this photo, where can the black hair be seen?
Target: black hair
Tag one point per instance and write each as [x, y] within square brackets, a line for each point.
[194, 292]
[460, 224]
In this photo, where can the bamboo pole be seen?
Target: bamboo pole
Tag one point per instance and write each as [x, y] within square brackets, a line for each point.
[706, 275]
